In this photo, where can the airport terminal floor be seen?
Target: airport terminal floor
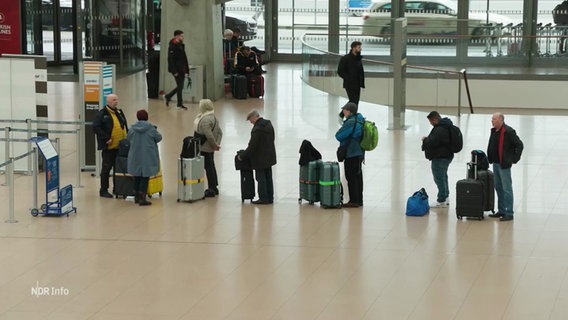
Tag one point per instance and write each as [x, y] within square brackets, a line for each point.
[221, 259]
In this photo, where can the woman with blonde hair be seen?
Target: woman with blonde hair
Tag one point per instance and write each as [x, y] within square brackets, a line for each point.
[207, 128]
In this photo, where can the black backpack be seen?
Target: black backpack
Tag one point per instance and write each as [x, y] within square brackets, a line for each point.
[560, 14]
[191, 148]
[456, 139]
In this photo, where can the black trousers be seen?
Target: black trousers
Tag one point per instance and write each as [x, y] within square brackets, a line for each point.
[354, 94]
[210, 170]
[109, 158]
[180, 78]
[265, 184]
[141, 185]
[354, 177]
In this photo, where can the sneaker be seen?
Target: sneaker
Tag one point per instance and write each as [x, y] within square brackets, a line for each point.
[182, 107]
[439, 205]
[496, 215]
[506, 218]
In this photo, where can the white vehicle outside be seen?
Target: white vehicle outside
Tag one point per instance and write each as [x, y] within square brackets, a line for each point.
[427, 17]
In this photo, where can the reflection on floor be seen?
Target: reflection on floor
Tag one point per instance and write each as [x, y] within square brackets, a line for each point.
[220, 259]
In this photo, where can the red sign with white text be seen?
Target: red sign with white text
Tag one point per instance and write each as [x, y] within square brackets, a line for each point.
[10, 40]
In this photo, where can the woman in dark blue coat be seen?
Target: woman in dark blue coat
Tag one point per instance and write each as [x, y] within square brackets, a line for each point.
[143, 157]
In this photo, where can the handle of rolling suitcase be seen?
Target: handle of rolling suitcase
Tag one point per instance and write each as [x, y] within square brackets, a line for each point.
[471, 168]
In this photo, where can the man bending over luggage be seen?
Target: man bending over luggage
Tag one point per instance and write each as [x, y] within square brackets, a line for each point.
[262, 155]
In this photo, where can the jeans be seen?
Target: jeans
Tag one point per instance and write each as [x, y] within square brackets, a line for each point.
[109, 158]
[504, 188]
[440, 174]
[354, 177]
[265, 185]
[180, 78]
[210, 170]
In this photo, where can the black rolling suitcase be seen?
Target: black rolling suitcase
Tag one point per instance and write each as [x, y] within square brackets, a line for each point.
[123, 183]
[479, 169]
[239, 86]
[247, 178]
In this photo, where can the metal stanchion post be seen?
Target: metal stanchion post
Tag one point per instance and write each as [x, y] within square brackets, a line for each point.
[97, 161]
[58, 144]
[10, 174]
[460, 92]
[35, 157]
[6, 152]
[78, 148]
[29, 127]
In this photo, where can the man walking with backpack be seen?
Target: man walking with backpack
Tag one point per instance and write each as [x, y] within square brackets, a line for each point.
[437, 147]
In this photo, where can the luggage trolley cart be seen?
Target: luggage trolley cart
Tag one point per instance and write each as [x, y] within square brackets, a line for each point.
[63, 204]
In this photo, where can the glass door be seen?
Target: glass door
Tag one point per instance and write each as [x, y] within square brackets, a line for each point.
[49, 26]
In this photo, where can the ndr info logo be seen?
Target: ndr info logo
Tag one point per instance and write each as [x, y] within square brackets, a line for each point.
[49, 291]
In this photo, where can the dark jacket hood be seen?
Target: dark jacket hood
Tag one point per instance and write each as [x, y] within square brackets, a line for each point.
[445, 122]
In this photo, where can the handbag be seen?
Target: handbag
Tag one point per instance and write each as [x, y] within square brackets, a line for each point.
[342, 150]
[417, 204]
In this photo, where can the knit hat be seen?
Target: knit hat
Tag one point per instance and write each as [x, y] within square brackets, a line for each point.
[352, 107]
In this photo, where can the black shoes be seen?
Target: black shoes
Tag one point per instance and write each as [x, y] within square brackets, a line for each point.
[209, 193]
[182, 107]
[261, 202]
[501, 216]
[351, 205]
[105, 194]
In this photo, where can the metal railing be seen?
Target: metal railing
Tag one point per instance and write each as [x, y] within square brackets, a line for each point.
[321, 63]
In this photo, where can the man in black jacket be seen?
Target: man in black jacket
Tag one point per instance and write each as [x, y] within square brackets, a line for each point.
[438, 150]
[261, 153]
[504, 149]
[350, 69]
[110, 127]
[178, 67]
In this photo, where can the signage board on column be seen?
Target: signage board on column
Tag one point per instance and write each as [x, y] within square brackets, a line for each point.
[10, 21]
[97, 79]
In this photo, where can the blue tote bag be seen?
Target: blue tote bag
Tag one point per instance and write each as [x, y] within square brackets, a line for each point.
[417, 204]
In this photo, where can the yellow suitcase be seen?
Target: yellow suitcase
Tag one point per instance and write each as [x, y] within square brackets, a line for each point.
[156, 183]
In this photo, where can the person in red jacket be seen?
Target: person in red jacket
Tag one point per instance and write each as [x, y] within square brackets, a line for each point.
[504, 149]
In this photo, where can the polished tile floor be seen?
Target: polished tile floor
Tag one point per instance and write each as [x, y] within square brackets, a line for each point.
[220, 259]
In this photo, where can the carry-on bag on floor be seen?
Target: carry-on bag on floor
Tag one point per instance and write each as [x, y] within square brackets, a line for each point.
[156, 183]
[309, 182]
[256, 86]
[123, 183]
[191, 179]
[247, 185]
[330, 185]
[247, 178]
[470, 196]
[239, 86]
[486, 178]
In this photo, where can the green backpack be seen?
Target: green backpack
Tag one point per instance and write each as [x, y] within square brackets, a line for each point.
[370, 136]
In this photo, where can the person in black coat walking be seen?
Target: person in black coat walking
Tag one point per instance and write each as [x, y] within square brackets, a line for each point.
[261, 153]
[350, 69]
[178, 66]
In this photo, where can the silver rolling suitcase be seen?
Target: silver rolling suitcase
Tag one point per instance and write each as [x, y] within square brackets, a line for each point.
[191, 179]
